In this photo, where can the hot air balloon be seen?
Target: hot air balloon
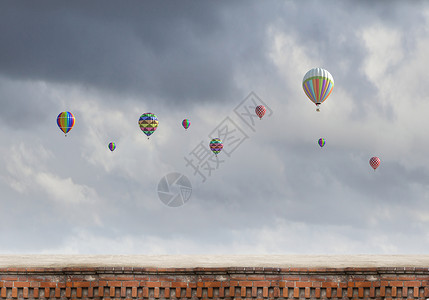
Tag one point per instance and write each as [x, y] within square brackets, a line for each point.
[374, 162]
[112, 146]
[186, 123]
[318, 84]
[321, 142]
[260, 111]
[148, 123]
[216, 145]
[65, 121]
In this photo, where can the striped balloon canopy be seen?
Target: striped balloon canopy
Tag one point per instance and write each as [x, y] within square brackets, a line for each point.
[65, 121]
[148, 123]
[112, 146]
[318, 84]
[186, 123]
[260, 111]
[216, 145]
[321, 142]
[374, 162]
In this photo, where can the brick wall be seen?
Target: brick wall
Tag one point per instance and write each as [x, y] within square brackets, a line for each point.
[214, 283]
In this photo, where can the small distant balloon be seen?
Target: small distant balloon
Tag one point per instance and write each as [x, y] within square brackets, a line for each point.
[186, 123]
[321, 142]
[65, 121]
[148, 123]
[374, 162]
[112, 146]
[216, 145]
[260, 111]
[318, 84]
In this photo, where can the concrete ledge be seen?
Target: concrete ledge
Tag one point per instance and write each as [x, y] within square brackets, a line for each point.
[214, 261]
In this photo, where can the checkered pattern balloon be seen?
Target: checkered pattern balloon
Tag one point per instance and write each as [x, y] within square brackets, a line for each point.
[374, 162]
[148, 123]
[260, 111]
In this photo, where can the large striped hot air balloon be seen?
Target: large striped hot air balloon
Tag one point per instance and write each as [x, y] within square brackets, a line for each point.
[65, 121]
[318, 84]
[148, 123]
[216, 145]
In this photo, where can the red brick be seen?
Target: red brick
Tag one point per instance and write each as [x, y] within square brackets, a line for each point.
[307, 292]
[221, 292]
[189, 292]
[166, 292]
[155, 293]
[36, 293]
[261, 283]
[265, 292]
[363, 284]
[19, 284]
[130, 283]
[339, 292]
[372, 292]
[47, 293]
[178, 292]
[175, 284]
[232, 291]
[329, 284]
[382, 291]
[145, 292]
[25, 292]
[396, 283]
[243, 291]
[123, 292]
[394, 291]
[79, 292]
[116, 283]
[112, 291]
[303, 284]
[101, 291]
[218, 283]
[416, 292]
[360, 292]
[404, 292]
[81, 284]
[317, 293]
[199, 292]
[328, 292]
[349, 292]
[209, 293]
[14, 292]
[412, 283]
[296, 292]
[90, 292]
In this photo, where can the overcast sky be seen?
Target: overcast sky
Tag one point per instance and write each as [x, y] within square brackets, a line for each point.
[274, 190]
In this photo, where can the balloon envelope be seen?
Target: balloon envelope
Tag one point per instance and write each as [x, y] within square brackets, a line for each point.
[216, 145]
[148, 123]
[112, 146]
[318, 84]
[65, 121]
[374, 162]
[186, 123]
[260, 111]
[321, 142]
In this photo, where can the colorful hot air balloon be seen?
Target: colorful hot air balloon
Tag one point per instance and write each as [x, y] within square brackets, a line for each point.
[216, 145]
[374, 162]
[65, 121]
[321, 142]
[112, 146]
[260, 111]
[148, 123]
[318, 84]
[186, 123]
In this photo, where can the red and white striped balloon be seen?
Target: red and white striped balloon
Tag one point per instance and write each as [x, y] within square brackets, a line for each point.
[374, 162]
[260, 111]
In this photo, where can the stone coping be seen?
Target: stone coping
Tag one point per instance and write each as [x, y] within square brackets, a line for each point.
[214, 261]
